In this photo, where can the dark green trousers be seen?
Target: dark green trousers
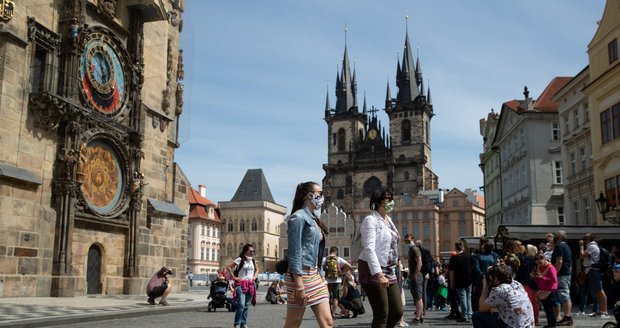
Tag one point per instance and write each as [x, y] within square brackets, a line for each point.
[386, 304]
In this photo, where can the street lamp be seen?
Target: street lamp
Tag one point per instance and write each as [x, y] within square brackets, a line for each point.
[602, 205]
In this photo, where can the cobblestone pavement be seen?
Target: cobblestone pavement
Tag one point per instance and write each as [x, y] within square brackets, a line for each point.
[185, 310]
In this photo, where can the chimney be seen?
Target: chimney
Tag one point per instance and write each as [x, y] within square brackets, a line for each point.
[203, 190]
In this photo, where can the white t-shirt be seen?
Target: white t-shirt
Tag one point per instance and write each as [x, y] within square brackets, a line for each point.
[247, 272]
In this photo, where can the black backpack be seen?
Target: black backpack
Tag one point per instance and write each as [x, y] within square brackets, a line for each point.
[427, 261]
[604, 260]
[240, 266]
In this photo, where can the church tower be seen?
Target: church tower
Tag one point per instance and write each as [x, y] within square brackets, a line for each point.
[361, 156]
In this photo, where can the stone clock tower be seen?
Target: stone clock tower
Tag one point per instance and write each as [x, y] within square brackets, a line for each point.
[362, 156]
[93, 201]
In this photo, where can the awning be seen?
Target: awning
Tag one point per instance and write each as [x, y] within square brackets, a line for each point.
[165, 207]
[14, 172]
[573, 232]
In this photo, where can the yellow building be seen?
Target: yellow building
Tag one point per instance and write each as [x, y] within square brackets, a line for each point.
[603, 93]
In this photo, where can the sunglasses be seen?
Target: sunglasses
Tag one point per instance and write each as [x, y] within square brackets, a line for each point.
[317, 194]
[252, 251]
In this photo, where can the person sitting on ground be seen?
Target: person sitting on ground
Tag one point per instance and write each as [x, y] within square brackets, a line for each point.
[272, 293]
[507, 296]
[159, 286]
[350, 297]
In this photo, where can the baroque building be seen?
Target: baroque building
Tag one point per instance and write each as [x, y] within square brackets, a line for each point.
[531, 171]
[205, 227]
[252, 217]
[603, 92]
[576, 151]
[92, 200]
[361, 156]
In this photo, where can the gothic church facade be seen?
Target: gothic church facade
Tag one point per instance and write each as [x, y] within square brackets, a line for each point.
[362, 156]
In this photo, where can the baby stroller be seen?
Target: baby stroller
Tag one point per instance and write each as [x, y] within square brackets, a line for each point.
[219, 297]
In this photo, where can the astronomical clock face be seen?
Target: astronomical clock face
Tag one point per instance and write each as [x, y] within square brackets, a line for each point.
[103, 73]
[103, 177]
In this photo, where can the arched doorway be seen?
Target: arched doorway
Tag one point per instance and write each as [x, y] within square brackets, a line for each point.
[93, 270]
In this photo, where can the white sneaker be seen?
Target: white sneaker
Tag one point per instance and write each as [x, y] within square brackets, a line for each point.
[580, 314]
[403, 324]
[604, 315]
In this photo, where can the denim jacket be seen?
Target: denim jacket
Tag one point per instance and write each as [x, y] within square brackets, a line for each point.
[304, 245]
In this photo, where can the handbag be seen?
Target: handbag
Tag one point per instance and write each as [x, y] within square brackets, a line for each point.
[282, 266]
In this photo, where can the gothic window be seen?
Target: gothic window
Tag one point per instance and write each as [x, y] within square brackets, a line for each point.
[349, 184]
[341, 139]
[406, 130]
[340, 194]
[427, 133]
[361, 136]
[240, 248]
[242, 225]
[254, 225]
[45, 44]
[373, 183]
[230, 226]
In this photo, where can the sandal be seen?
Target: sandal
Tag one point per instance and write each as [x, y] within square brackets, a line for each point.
[164, 303]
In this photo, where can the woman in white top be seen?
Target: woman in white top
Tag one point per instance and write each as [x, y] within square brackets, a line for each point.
[244, 271]
[378, 260]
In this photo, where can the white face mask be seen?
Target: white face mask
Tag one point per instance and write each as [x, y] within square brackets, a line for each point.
[317, 201]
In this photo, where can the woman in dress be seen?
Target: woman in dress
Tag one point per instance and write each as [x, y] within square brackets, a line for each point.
[378, 260]
[306, 242]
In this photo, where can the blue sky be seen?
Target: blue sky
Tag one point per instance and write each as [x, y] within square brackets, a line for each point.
[257, 73]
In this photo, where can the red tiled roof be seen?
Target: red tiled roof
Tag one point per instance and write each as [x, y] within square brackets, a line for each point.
[199, 207]
[545, 102]
[513, 104]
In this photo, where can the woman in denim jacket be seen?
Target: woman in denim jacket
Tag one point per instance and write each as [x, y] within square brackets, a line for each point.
[306, 242]
[378, 261]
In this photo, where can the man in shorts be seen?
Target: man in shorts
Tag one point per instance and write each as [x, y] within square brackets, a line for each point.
[159, 286]
[334, 279]
[416, 280]
[561, 259]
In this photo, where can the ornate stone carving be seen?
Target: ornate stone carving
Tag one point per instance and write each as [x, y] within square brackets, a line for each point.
[42, 35]
[108, 7]
[6, 9]
[180, 67]
[179, 98]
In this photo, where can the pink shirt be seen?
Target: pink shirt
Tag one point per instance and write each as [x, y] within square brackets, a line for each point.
[547, 280]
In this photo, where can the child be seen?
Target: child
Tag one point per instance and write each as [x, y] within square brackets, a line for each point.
[442, 292]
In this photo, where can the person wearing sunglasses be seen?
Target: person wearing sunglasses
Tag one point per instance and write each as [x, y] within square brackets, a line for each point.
[306, 242]
[244, 271]
[378, 260]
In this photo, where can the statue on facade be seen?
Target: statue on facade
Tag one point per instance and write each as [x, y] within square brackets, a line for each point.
[108, 7]
[74, 31]
[180, 67]
[137, 185]
[81, 164]
[70, 159]
[179, 96]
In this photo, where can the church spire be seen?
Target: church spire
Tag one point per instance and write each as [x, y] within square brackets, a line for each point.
[406, 79]
[346, 86]
[365, 110]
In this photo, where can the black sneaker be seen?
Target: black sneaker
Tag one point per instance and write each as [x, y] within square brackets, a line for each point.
[417, 321]
[151, 301]
[566, 321]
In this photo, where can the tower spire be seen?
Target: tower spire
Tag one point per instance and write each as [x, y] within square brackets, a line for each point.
[346, 88]
[406, 80]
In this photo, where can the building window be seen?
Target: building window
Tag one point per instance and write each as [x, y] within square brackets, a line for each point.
[203, 256]
[576, 119]
[231, 226]
[611, 190]
[340, 194]
[341, 140]
[612, 50]
[610, 124]
[576, 210]
[586, 113]
[560, 215]
[254, 225]
[346, 252]
[555, 131]
[427, 232]
[586, 211]
[573, 163]
[566, 125]
[461, 215]
[406, 130]
[583, 157]
[557, 172]
[203, 230]
[229, 250]
[405, 230]
[242, 225]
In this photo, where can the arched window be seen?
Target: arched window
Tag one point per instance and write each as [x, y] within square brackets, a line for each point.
[373, 183]
[406, 130]
[254, 225]
[340, 194]
[427, 133]
[231, 226]
[341, 139]
[268, 224]
[242, 225]
[240, 248]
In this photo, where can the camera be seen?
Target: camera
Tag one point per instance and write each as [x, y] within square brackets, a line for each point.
[168, 271]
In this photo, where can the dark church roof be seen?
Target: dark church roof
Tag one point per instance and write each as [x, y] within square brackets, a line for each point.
[253, 187]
